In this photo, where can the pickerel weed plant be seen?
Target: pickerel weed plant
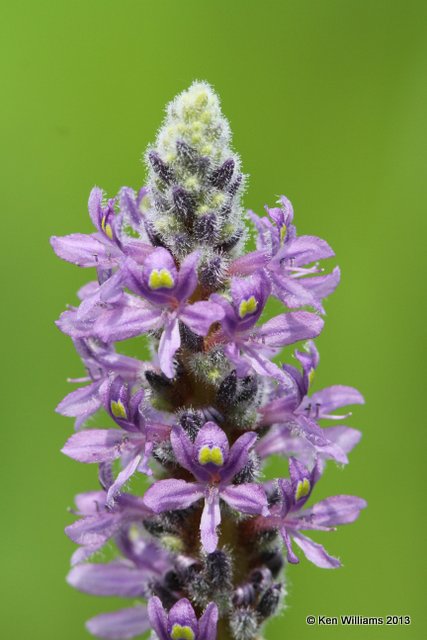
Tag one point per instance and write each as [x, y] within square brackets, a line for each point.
[202, 552]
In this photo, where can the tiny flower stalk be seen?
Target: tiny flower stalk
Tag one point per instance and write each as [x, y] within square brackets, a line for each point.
[203, 551]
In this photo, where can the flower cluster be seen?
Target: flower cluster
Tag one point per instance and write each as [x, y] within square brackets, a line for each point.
[202, 551]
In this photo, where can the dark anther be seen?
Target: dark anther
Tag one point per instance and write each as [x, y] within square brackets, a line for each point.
[249, 471]
[191, 421]
[273, 560]
[168, 599]
[205, 227]
[261, 578]
[172, 581]
[222, 176]
[157, 381]
[244, 596]
[218, 570]
[161, 168]
[269, 601]
[154, 237]
[235, 185]
[189, 339]
[190, 157]
[248, 389]
[161, 203]
[184, 203]
[211, 274]
[226, 393]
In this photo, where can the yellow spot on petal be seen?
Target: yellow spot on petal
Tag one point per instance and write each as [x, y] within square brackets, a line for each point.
[311, 376]
[283, 230]
[248, 306]
[303, 489]
[182, 633]
[214, 455]
[118, 409]
[106, 228]
[161, 279]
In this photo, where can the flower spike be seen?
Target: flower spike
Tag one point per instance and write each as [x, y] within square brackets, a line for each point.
[181, 440]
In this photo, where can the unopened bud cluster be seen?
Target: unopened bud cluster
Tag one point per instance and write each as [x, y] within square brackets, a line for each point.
[202, 553]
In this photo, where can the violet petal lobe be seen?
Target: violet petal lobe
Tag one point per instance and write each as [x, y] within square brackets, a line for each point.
[117, 578]
[208, 623]
[211, 518]
[316, 553]
[247, 498]
[95, 445]
[120, 625]
[166, 495]
[158, 618]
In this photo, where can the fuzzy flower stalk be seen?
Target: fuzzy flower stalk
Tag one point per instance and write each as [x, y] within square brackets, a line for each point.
[202, 552]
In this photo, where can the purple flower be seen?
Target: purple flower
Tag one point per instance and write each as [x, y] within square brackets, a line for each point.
[101, 361]
[106, 248]
[214, 464]
[100, 522]
[290, 517]
[134, 446]
[282, 255]
[181, 622]
[120, 625]
[295, 415]
[164, 301]
[249, 347]
[144, 563]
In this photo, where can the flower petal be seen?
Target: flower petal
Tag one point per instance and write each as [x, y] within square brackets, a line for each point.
[183, 450]
[111, 579]
[208, 622]
[167, 495]
[345, 438]
[182, 613]
[120, 625]
[336, 397]
[158, 618]
[95, 445]
[187, 277]
[211, 518]
[123, 477]
[127, 321]
[81, 402]
[335, 510]
[82, 250]
[238, 455]
[246, 498]
[307, 249]
[316, 553]
[168, 346]
[199, 316]
[287, 328]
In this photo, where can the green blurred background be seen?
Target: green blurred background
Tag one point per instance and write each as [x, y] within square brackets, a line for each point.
[327, 101]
